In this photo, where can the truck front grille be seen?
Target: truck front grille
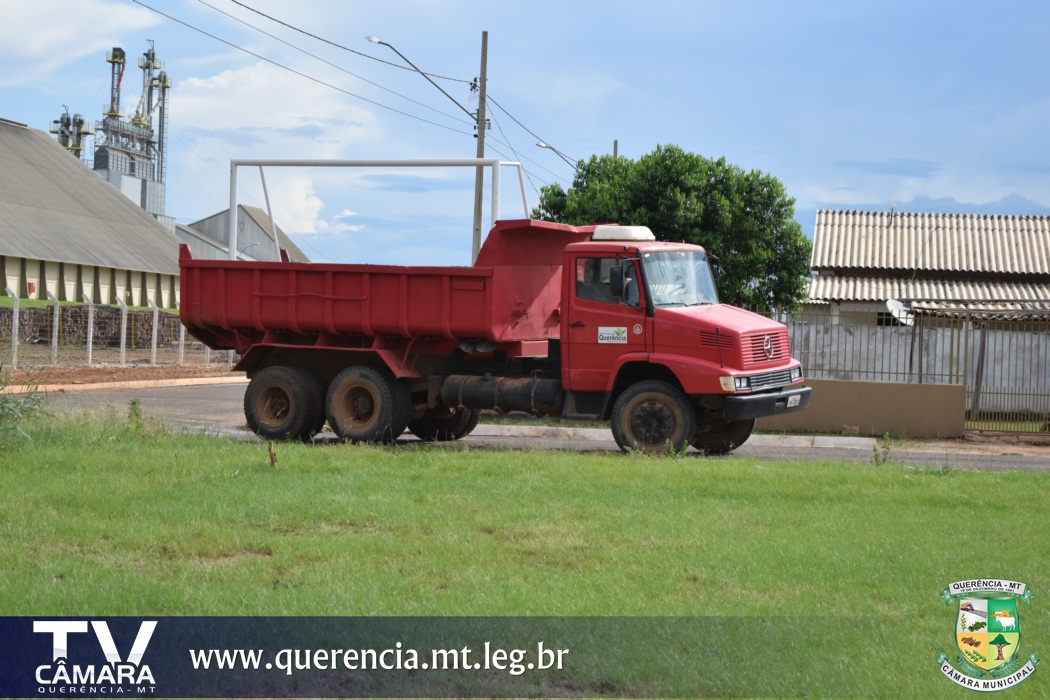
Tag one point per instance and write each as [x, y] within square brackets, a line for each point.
[764, 348]
[770, 380]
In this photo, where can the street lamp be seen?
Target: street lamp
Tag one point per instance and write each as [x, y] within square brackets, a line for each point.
[479, 121]
[375, 40]
[564, 157]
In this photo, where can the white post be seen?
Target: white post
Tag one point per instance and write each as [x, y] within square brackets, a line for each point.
[123, 329]
[479, 176]
[207, 355]
[524, 196]
[495, 198]
[91, 326]
[232, 223]
[54, 328]
[269, 213]
[153, 340]
[14, 327]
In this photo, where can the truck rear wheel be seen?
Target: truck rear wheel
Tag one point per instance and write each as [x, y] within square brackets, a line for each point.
[726, 437]
[443, 426]
[366, 405]
[283, 403]
[651, 416]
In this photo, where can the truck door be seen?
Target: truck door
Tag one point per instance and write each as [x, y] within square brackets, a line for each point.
[599, 328]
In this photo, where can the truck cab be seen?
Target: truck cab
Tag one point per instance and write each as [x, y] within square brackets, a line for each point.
[646, 343]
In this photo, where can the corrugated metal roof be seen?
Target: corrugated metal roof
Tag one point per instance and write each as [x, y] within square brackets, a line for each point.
[53, 207]
[864, 240]
[863, 288]
[1026, 310]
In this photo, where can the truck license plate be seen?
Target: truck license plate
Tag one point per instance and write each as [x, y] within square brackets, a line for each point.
[794, 401]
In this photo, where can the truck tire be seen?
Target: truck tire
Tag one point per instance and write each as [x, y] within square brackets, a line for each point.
[724, 439]
[366, 405]
[468, 425]
[652, 416]
[282, 403]
[445, 425]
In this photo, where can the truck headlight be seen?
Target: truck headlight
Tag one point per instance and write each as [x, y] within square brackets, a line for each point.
[796, 374]
[731, 384]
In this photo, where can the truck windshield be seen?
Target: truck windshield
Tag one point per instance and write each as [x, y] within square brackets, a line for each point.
[679, 278]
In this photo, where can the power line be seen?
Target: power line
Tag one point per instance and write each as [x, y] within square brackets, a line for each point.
[340, 46]
[299, 73]
[333, 65]
[502, 109]
[528, 175]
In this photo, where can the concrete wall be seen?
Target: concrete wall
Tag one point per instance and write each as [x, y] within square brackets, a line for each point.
[876, 408]
[851, 347]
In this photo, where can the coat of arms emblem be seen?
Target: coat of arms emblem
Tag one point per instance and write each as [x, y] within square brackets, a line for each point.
[987, 634]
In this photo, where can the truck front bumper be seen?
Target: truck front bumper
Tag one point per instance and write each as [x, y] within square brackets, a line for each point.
[762, 405]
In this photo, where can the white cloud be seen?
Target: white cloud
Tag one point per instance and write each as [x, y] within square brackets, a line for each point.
[42, 36]
[297, 207]
[277, 109]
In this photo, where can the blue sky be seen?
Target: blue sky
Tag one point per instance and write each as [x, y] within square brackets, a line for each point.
[928, 106]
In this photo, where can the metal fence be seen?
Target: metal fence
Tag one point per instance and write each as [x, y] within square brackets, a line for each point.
[1003, 362]
[84, 335]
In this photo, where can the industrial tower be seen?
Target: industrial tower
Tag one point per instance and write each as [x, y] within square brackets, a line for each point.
[130, 154]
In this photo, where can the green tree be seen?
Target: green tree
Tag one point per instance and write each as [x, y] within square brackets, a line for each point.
[745, 219]
[999, 642]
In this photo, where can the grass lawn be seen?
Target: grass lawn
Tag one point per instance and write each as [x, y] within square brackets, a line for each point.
[108, 514]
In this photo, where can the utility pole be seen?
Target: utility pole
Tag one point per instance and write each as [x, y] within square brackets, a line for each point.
[479, 177]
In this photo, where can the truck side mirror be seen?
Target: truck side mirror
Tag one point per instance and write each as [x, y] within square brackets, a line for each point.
[616, 281]
[716, 267]
[628, 285]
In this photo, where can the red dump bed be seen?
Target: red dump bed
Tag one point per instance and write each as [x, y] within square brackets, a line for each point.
[511, 294]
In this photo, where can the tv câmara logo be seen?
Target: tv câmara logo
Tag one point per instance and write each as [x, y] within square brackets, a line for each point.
[987, 634]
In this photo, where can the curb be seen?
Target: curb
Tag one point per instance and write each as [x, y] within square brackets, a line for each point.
[526, 431]
[142, 384]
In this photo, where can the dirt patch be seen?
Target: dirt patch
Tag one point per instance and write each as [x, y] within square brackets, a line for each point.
[986, 443]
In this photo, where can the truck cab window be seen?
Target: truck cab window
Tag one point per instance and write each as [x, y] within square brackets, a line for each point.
[679, 278]
[592, 279]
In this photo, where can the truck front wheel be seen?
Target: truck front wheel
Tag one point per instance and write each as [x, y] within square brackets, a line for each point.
[723, 438]
[283, 403]
[365, 405]
[652, 416]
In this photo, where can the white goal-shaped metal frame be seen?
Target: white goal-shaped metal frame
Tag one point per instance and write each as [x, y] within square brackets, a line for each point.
[493, 163]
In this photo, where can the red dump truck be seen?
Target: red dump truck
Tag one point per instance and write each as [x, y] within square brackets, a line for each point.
[589, 322]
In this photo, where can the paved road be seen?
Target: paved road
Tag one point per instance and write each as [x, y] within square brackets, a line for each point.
[219, 408]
